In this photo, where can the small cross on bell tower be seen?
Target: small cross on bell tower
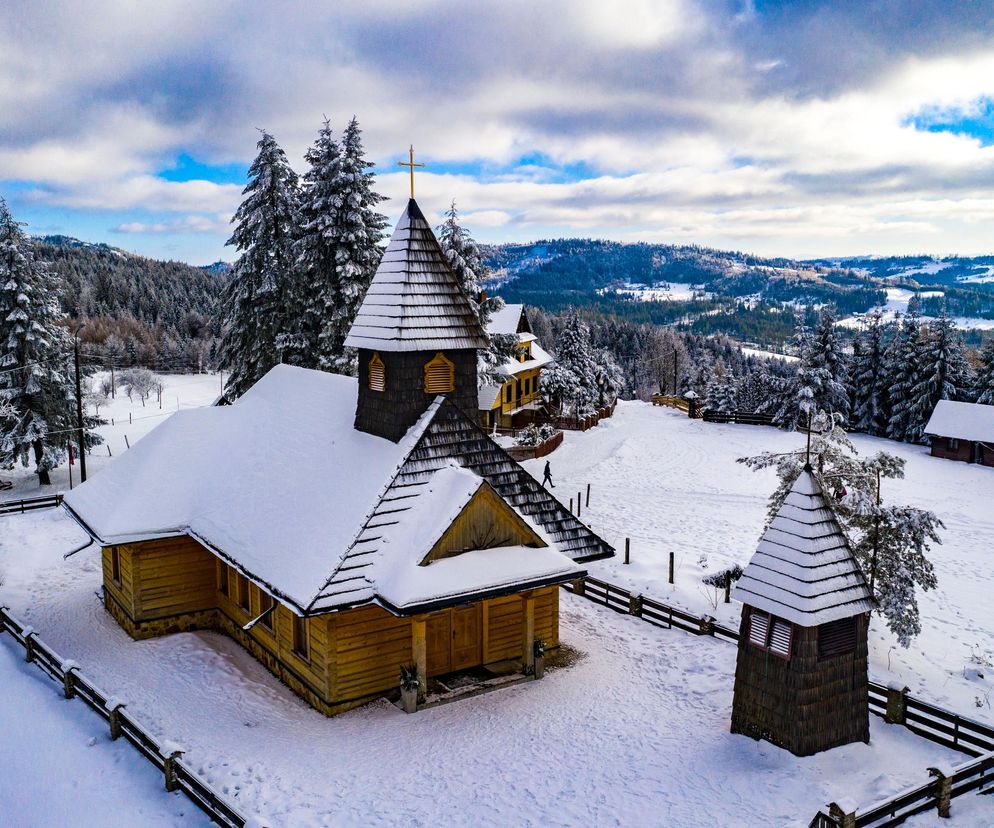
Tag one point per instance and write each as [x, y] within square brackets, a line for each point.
[410, 163]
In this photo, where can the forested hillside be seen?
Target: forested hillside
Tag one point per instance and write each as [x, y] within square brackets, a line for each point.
[138, 310]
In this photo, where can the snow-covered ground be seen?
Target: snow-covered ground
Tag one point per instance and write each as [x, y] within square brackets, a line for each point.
[180, 391]
[757, 352]
[634, 733]
[897, 302]
[672, 484]
[668, 292]
[60, 767]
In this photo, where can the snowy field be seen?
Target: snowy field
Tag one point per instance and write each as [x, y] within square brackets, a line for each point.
[635, 733]
[672, 484]
[180, 391]
[897, 302]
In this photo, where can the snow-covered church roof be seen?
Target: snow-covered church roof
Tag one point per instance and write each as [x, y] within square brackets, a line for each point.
[803, 569]
[415, 301]
[282, 486]
[962, 421]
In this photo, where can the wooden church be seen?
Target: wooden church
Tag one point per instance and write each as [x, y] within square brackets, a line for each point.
[340, 529]
[801, 674]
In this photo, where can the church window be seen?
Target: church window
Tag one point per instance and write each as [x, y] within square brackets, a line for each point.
[837, 638]
[770, 633]
[299, 635]
[377, 374]
[440, 376]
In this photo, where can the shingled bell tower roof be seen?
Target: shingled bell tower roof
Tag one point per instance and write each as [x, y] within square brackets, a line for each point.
[415, 301]
[803, 569]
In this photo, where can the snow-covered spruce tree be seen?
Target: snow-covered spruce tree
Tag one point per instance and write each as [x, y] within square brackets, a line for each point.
[572, 382]
[314, 283]
[722, 396]
[943, 374]
[823, 368]
[257, 303]
[609, 376]
[38, 399]
[466, 261]
[901, 373]
[354, 229]
[890, 542]
[869, 387]
[984, 385]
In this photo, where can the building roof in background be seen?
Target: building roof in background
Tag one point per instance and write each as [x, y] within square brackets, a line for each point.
[963, 421]
[508, 320]
[803, 569]
[415, 301]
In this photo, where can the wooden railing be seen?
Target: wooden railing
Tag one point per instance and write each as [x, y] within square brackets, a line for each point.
[739, 417]
[29, 504]
[177, 775]
[933, 723]
[671, 402]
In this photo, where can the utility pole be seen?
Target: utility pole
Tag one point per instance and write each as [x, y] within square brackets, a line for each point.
[676, 359]
[113, 388]
[79, 409]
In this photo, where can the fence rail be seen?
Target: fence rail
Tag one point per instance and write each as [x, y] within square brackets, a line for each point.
[671, 402]
[739, 417]
[926, 720]
[29, 504]
[75, 684]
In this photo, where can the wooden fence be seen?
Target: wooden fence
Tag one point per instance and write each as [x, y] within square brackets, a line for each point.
[933, 723]
[520, 453]
[739, 417]
[671, 402]
[177, 775]
[29, 504]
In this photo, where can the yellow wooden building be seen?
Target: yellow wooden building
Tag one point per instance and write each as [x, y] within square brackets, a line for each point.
[340, 530]
[518, 399]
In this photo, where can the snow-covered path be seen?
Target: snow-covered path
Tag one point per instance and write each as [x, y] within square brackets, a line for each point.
[672, 484]
[635, 733]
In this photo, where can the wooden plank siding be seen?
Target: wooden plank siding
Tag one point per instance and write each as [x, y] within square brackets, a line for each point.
[353, 655]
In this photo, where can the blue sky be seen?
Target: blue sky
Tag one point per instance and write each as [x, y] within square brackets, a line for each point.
[795, 128]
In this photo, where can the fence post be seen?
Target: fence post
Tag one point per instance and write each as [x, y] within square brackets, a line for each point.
[635, 605]
[588, 496]
[579, 586]
[897, 704]
[170, 753]
[671, 567]
[943, 790]
[114, 718]
[68, 678]
[29, 644]
[628, 550]
[844, 815]
[571, 505]
[578, 504]
[705, 625]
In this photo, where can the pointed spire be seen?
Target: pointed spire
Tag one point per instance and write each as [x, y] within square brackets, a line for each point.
[803, 569]
[415, 302]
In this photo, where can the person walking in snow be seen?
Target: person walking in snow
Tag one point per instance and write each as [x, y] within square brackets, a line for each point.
[547, 476]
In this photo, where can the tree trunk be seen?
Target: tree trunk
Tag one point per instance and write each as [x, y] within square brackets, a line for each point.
[43, 478]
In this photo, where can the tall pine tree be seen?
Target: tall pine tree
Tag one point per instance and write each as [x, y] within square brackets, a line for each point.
[37, 389]
[823, 369]
[943, 374]
[314, 285]
[901, 366]
[985, 377]
[356, 232]
[466, 261]
[869, 387]
[256, 301]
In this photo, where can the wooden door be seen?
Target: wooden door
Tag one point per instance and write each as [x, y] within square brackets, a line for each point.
[466, 637]
[438, 642]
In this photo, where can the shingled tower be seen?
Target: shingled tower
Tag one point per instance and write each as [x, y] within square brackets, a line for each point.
[416, 332]
[801, 674]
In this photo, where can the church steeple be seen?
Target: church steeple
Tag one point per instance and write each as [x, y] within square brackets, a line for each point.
[416, 332]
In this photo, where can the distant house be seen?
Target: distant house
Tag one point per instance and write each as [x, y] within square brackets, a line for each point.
[515, 402]
[341, 530]
[962, 431]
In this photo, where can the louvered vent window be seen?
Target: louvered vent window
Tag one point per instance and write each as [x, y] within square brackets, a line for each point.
[837, 638]
[780, 637]
[377, 374]
[440, 376]
[770, 633]
[759, 628]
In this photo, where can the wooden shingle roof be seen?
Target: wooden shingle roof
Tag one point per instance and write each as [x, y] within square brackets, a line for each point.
[803, 569]
[415, 301]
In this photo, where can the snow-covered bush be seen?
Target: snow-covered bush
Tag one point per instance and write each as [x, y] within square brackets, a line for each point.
[534, 435]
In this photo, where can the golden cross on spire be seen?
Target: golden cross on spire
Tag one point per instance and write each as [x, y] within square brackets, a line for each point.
[412, 165]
